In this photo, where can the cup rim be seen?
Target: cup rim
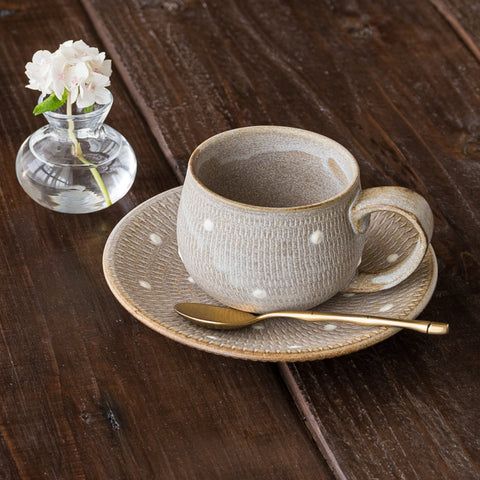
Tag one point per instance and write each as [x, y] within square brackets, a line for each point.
[270, 128]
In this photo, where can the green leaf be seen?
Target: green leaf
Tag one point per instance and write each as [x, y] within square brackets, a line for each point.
[51, 103]
[88, 109]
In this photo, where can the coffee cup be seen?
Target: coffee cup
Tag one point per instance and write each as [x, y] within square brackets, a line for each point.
[274, 218]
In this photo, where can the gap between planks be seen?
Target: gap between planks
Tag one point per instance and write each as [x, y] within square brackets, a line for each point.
[286, 370]
[455, 24]
[303, 403]
[143, 107]
[286, 374]
[298, 394]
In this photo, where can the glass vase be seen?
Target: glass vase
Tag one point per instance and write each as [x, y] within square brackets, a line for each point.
[76, 163]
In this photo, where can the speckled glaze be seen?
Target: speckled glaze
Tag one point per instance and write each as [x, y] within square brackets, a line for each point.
[146, 275]
[274, 218]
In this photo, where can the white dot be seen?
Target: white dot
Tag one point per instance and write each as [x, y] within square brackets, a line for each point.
[348, 295]
[386, 307]
[208, 225]
[316, 237]
[258, 327]
[259, 293]
[145, 284]
[392, 258]
[191, 280]
[180, 255]
[329, 327]
[155, 239]
[359, 262]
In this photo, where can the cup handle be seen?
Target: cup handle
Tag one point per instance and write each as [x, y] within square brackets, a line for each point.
[404, 202]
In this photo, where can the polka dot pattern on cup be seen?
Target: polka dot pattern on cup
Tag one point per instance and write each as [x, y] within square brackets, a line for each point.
[259, 293]
[150, 279]
[208, 225]
[316, 237]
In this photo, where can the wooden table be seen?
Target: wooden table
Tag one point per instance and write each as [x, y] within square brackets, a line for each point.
[89, 392]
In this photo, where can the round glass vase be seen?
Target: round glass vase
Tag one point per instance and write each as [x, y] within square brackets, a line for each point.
[76, 163]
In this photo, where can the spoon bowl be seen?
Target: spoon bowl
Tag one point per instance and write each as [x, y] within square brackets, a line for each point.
[213, 316]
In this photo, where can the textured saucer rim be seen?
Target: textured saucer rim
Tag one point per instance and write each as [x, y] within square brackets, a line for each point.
[135, 309]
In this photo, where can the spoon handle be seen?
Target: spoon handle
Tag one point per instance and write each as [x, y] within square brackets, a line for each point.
[431, 328]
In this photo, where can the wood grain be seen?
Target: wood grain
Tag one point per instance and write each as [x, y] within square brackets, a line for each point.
[462, 17]
[396, 83]
[87, 391]
[354, 74]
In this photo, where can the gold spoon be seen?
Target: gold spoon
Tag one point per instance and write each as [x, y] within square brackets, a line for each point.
[223, 318]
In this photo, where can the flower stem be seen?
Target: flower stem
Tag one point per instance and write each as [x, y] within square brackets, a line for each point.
[77, 151]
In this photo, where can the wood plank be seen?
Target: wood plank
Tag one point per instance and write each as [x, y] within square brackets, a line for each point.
[394, 83]
[462, 16]
[331, 76]
[86, 390]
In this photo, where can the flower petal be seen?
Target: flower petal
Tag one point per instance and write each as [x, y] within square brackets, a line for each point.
[74, 66]
[75, 75]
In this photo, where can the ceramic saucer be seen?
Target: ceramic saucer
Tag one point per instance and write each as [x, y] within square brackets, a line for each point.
[144, 272]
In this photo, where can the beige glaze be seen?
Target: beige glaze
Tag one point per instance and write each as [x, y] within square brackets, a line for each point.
[274, 218]
[146, 275]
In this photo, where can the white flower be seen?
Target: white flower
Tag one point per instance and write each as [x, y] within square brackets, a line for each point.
[77, 51]
[74, 77]
[98, 64]
[75, 67]
[38, 71]
[58, 67]
[94, 91]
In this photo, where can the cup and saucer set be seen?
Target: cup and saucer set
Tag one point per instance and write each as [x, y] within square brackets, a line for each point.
[269, 219]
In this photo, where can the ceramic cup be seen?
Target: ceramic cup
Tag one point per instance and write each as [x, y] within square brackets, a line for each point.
[273, 218]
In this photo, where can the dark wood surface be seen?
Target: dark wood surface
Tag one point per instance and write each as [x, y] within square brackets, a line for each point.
[87, 392]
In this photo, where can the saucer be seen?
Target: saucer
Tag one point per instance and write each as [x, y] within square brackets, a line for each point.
[144, 272]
